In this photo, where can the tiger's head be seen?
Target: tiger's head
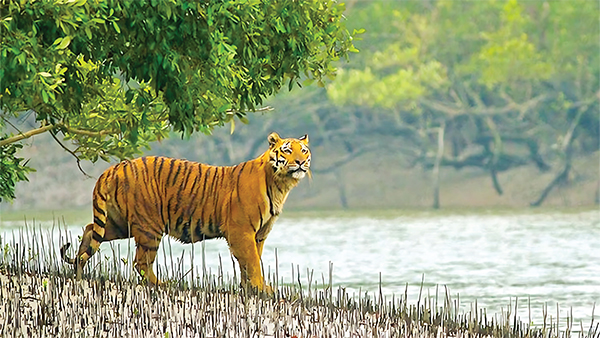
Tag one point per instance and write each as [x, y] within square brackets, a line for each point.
[290, 157]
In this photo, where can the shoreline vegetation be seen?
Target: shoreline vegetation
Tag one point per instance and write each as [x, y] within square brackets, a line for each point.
[41, 305]
[39, 297]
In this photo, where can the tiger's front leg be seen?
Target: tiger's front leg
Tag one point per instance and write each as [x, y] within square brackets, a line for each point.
[242, 245]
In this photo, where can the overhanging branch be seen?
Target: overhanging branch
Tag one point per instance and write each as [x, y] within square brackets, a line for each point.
[43, 129]
[27, 134]
[88, 133]
[70, 152]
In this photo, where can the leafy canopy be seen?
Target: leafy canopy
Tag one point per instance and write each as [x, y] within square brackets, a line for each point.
[114, 75]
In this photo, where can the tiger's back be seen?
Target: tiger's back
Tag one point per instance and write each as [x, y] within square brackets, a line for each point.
[148, 197]
[168, 196]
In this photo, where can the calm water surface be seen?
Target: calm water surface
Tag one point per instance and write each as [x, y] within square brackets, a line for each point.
[545, 258]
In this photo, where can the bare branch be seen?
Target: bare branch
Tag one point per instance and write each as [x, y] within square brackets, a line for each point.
[496, 152]
[562, 176]
[569, 135]
[43, 129]
[72, 153]
[259, 110]
[87, 132]
[12, 125]
[27, 134]
[349, 157]
[567, 148]
[510, 107]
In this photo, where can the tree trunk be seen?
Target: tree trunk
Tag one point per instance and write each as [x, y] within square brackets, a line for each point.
[436, 168]
[341, 189]
[496, 152]
[567, 147]
[561, 177]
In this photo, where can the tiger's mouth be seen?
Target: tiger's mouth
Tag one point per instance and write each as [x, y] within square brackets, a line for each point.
[297, 173]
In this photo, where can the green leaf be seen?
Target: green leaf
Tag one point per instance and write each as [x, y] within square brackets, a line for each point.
[168, 10]
[63, 42]
[88, 32]
[129, 94]
[133, 135]
[224, 108]
[308, 82]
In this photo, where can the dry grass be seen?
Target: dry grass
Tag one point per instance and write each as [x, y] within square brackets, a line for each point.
[39, 297]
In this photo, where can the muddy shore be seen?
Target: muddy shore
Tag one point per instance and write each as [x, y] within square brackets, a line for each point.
[38, 305]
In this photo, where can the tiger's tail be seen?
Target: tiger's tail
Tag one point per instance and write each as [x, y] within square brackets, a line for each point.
[63, 254]
[94, 232]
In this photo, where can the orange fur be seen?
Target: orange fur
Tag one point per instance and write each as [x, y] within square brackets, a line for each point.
[148, 197]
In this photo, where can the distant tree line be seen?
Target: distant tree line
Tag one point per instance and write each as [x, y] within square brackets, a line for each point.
[487, 84]
[493, 85]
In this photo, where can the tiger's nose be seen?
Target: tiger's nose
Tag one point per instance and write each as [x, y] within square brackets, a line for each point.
[300, 162]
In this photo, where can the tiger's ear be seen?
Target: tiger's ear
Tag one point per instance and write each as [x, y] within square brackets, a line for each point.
[304, 139]
[273, 139]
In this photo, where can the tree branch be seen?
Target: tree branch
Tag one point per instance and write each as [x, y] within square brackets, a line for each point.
[349, 157]
[27, 134]
[87, 132]
[510, 107]
[43, 129]
[259, 110]
[12, 125]
[562, 176]
[567, 148]
[72, 153]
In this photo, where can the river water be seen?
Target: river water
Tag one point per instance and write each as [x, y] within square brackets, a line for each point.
[543, 259]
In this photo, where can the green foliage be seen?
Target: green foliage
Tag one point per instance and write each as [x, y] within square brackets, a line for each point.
[114, 75]
[509, 56]
[397, 77]
[12, 170]
[494, 75]
[424, 50]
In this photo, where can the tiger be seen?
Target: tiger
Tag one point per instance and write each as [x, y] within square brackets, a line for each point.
[152, 196]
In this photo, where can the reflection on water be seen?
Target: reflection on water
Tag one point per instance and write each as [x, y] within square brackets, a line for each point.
[543, 258]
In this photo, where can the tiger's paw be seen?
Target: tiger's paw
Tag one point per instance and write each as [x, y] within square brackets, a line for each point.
[268, 290]
[263, 289]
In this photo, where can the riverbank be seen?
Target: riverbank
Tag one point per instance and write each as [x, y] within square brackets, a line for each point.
[34, 305]
[519, 280]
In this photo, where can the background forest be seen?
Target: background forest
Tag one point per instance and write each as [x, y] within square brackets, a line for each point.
[448, 103]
